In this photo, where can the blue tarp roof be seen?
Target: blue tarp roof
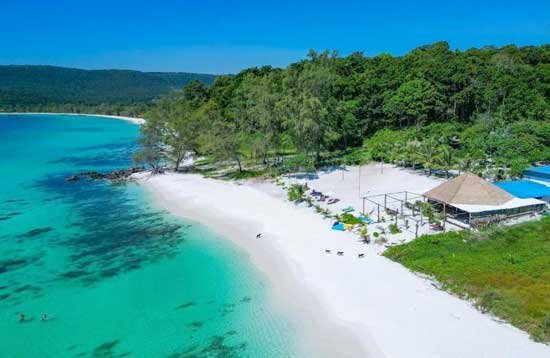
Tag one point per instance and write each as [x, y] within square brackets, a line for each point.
[542, 173]
[545, 169]
[524, 188]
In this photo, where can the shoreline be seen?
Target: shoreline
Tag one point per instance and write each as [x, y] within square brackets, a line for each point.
[348, 307]
[134, 120]
[303, 309]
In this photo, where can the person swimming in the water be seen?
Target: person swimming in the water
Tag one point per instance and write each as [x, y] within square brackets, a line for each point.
[22, 317]
[44, 317]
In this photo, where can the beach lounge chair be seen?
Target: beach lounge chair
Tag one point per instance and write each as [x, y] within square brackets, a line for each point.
[348, 209]
[333, 201]
[365, 219]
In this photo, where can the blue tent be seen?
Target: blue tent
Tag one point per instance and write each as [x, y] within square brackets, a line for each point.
[538, 173]
[524, 189]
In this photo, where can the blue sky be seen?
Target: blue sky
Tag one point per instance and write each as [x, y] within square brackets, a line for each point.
[226, 36]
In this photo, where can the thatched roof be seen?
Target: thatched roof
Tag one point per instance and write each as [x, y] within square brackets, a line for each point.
[470, 189]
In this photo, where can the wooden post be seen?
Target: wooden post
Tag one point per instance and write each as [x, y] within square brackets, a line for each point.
[385, 201]
[416, 232]
[444, 215]
[363, 206]
[378, 207]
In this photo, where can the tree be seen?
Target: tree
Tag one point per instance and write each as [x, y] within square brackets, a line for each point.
[446, 158]
[429, 150]
[179, 124]
[412, 103]
[151, 149]
[309, 124]
[223, 139]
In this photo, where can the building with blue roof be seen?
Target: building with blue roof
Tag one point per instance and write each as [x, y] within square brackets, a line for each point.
[526, 189]
[541, 173]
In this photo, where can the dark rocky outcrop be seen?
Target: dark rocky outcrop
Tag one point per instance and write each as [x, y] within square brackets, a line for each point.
[116, 175]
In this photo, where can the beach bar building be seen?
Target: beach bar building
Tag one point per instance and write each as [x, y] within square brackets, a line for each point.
[471, 200]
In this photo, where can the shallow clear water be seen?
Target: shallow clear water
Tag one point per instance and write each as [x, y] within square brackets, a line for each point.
[116, 275]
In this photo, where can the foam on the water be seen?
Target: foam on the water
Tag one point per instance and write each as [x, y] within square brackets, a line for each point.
[116, 275]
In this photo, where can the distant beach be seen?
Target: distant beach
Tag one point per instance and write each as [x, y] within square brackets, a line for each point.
[134, 120]
[351, 306]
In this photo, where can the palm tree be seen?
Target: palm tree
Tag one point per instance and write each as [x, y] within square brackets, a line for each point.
[429, 151]
[467, 164]
[411, 153]
[446, 158]
[397, 153]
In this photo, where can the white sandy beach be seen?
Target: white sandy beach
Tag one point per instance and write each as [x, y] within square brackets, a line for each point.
[349, 307]
[137, 121]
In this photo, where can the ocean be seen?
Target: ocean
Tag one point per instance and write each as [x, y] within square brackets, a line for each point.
[116, 275]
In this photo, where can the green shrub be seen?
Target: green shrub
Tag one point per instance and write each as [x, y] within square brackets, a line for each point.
[365, 235]
[394, 229]
[298, 163]
[350, 219]
[296, 193]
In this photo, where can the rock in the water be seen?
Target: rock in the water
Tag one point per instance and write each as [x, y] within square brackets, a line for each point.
[116, 175]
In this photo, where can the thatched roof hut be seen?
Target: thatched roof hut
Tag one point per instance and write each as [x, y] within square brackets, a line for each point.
[469, 189]
[468, 196]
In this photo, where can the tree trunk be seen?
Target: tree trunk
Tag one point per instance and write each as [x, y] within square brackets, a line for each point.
[239, 163]
[177, 164]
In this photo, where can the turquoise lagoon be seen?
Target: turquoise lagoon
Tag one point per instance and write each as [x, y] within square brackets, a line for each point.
[116, 275]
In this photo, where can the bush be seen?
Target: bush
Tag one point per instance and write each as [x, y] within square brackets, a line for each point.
[350, 219]
[298, 163]
[296, 193]
[394, 229]
[364, 235]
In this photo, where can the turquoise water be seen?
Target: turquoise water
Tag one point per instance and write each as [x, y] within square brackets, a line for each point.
[117, 276]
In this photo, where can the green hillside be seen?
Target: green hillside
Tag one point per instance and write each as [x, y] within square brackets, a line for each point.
[30, 87]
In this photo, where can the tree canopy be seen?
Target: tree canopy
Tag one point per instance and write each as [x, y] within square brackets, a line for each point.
[475, 103]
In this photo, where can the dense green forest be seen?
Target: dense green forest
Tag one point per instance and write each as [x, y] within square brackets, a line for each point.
[479, 109]
[49, 89]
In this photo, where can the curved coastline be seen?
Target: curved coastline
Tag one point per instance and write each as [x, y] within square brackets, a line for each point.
[324, 333]
[134, 120]
[348, 307]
